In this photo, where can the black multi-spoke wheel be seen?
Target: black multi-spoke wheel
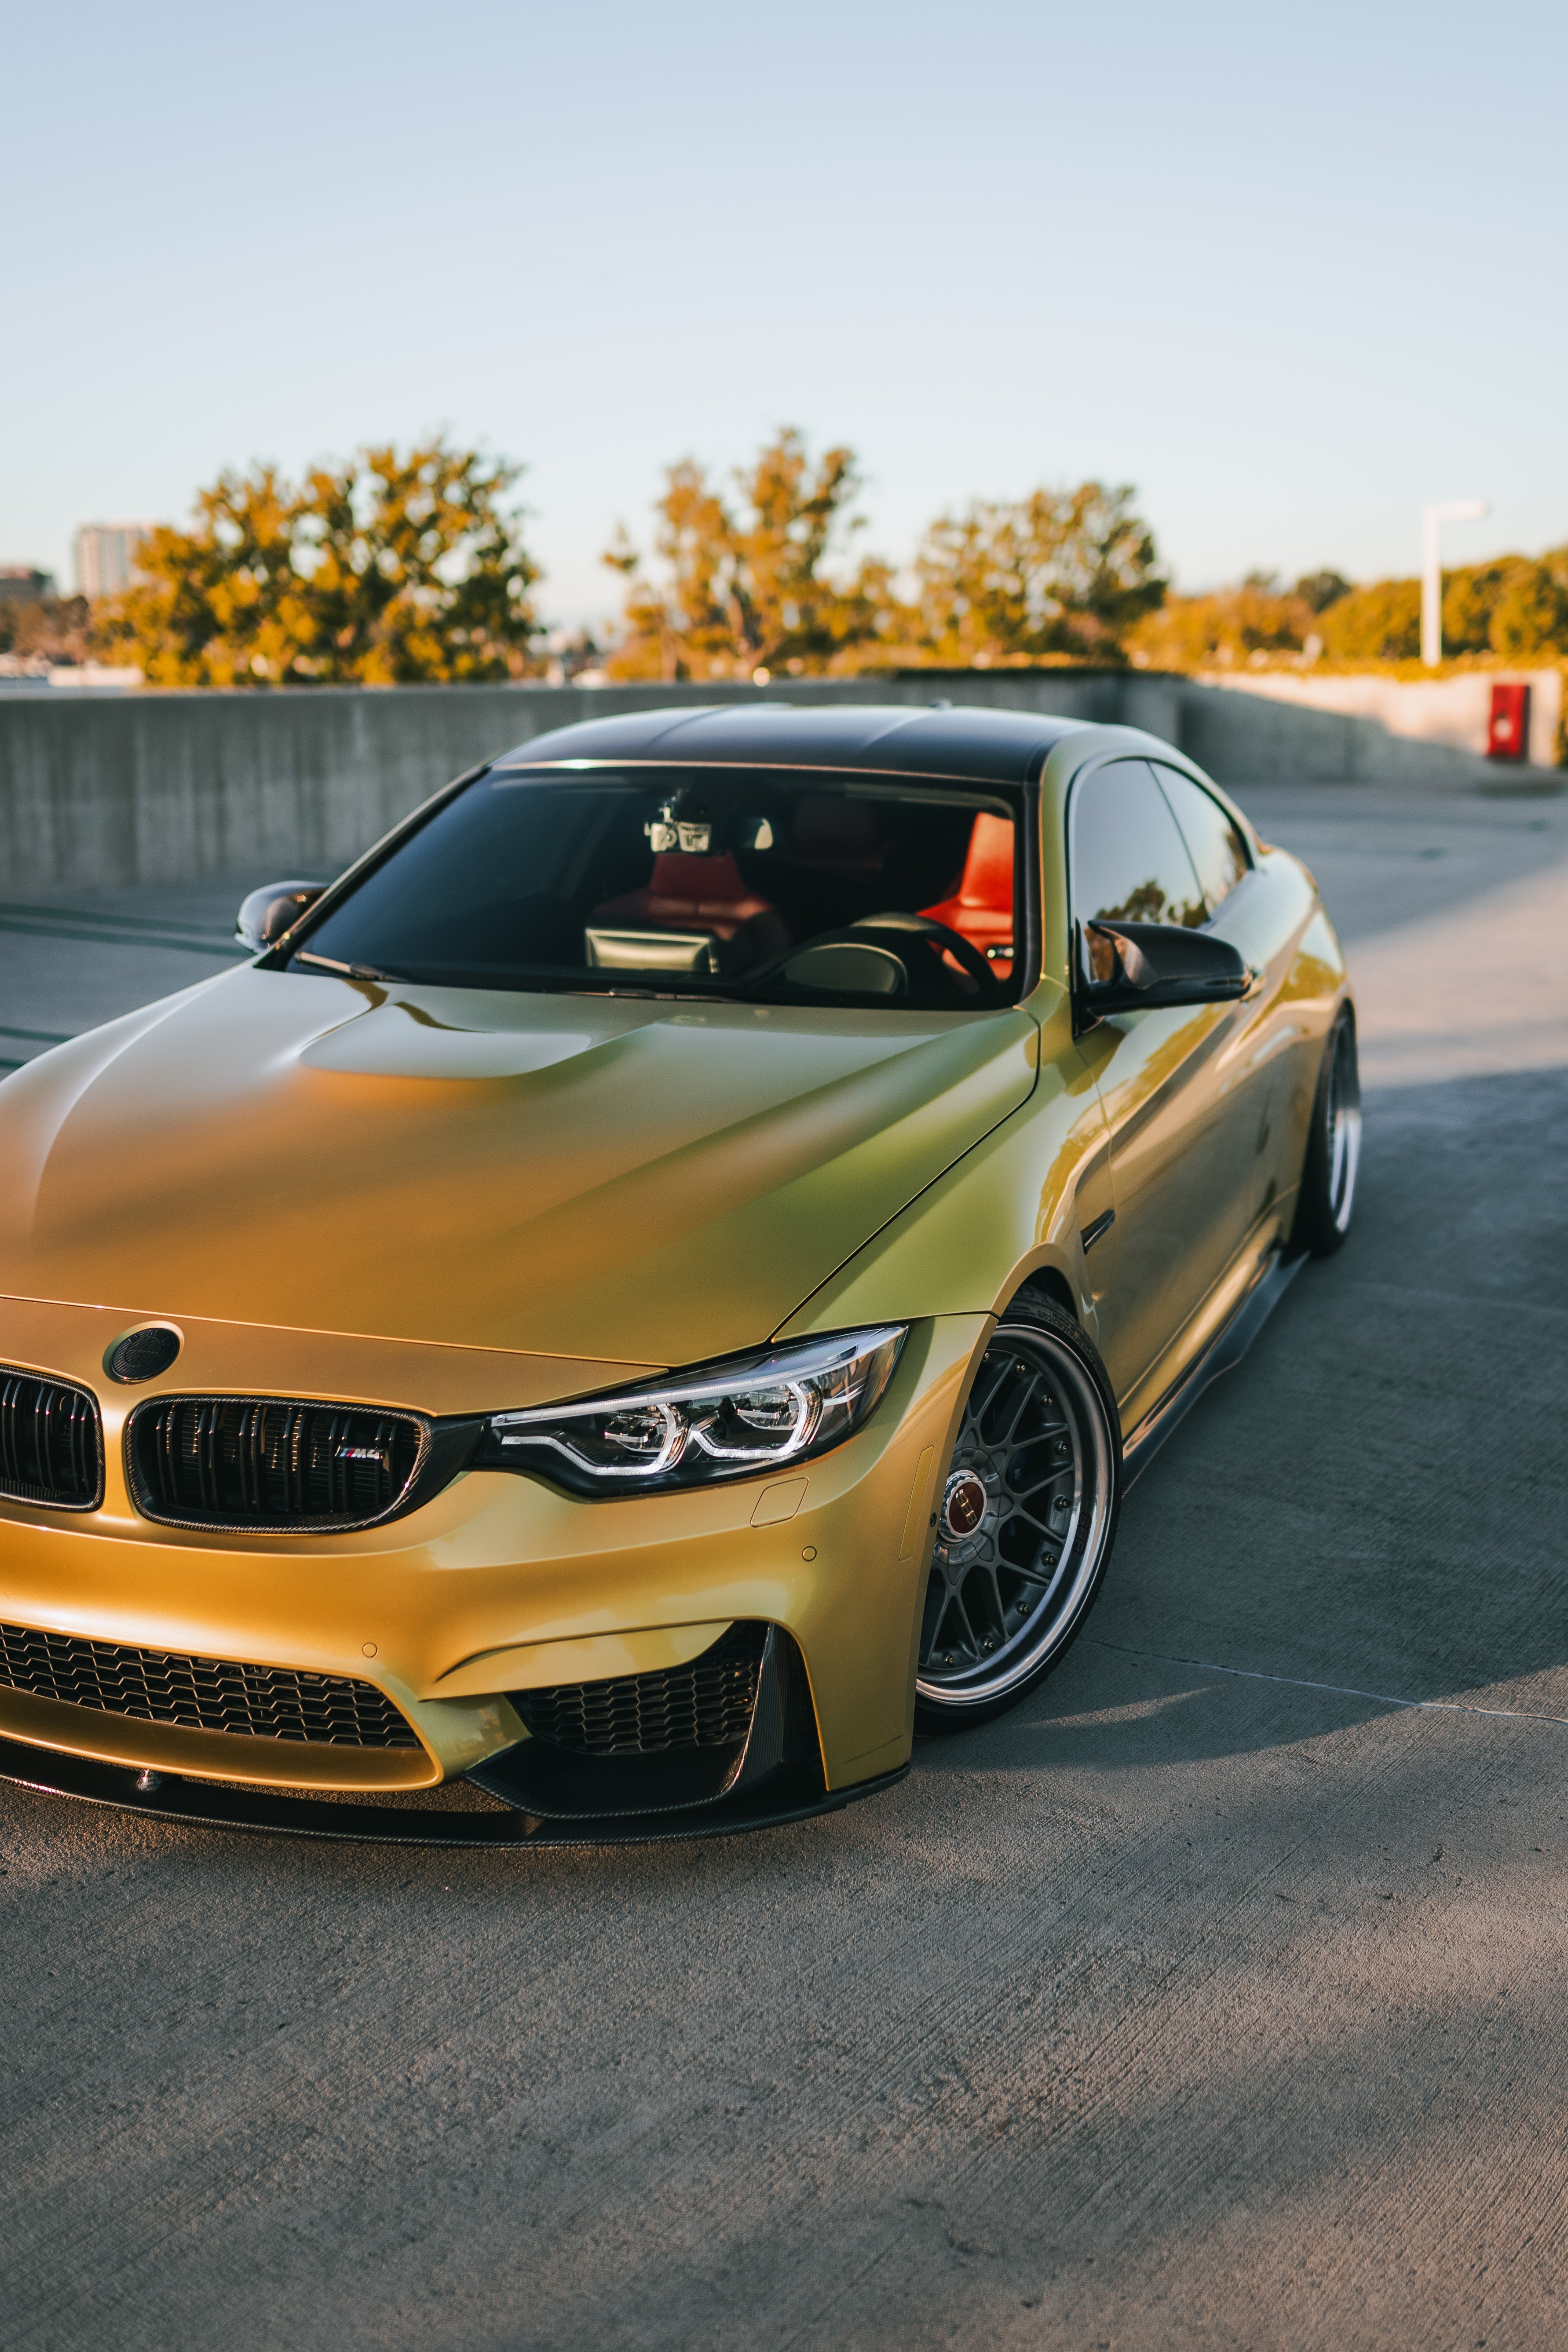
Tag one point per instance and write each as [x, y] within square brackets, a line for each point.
[1327, 1198]
[1024, 1520]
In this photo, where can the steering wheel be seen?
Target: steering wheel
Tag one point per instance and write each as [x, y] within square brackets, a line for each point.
[941, 935]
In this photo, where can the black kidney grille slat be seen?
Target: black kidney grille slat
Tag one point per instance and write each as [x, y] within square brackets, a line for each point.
[707, 1704]
[269, 1462]
[201, 1694]
[51, 1441]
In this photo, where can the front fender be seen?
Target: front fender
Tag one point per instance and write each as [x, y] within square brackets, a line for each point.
[1013, 1205]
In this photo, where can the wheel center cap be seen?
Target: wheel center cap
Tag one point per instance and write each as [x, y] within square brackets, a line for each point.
[962, 1505]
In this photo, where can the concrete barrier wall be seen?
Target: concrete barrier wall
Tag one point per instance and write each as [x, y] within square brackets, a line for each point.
[1243, 738]
[1453, 711]
[169, 787]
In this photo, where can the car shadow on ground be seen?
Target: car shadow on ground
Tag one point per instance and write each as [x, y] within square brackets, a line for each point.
[1375, 1498]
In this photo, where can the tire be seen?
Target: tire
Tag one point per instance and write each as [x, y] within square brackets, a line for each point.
[1009, 1591]
[1326, 1201]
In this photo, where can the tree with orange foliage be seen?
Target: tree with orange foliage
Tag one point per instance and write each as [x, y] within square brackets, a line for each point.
[1059, 574]
[385, 571]
[746, 586]
[1254, 623]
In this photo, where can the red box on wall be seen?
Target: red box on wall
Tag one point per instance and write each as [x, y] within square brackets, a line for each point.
[1508, 729]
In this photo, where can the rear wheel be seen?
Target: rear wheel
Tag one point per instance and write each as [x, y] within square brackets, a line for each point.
[1025, 1521]
[1327, 1199]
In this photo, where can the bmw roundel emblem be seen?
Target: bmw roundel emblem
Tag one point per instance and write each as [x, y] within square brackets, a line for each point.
[143, 1355]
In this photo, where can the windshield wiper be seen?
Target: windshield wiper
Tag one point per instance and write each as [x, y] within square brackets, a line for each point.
[348, 971]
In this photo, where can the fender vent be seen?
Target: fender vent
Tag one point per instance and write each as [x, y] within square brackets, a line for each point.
[51, 1441]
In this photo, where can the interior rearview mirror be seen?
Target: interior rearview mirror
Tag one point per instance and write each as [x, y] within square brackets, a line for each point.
[1133, 967]
[265, 914]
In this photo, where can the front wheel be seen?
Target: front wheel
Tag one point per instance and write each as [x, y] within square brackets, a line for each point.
[1026, 1520]
[1327, 1198]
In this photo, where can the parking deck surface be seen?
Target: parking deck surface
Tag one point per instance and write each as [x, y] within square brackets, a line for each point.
[1214, 1998]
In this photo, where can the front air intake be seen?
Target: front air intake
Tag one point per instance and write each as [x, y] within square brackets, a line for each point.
[51, 1441]
[707, 1704]
[274, 1465]
[200, 1694]
[732, 1727]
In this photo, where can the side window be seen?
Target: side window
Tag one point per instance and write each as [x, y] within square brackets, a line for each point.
[1127, 858]
[1217, 849]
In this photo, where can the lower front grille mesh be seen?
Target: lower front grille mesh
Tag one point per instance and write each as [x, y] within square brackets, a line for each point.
[51, 1441]
[200, 1694]
[707, 1704]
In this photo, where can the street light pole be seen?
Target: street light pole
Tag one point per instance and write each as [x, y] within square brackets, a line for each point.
[1433, 519]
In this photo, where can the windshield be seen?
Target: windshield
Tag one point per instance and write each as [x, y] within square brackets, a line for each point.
[761, 884]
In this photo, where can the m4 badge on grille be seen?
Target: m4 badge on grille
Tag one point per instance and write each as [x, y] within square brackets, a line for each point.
[267, 1463]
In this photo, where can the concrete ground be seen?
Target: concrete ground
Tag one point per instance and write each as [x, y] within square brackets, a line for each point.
[1213, 1999]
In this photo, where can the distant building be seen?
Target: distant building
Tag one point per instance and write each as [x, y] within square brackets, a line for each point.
[106, 556]
[23, 584]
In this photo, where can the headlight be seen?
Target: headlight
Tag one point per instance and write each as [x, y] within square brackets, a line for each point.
[718, 1421]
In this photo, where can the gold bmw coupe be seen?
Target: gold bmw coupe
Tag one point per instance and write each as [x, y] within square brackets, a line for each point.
[643, 1295]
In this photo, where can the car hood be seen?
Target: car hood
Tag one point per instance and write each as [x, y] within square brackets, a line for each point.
[619, 1179]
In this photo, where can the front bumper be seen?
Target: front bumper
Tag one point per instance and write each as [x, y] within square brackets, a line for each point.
[209, 1804]
[500, 1584]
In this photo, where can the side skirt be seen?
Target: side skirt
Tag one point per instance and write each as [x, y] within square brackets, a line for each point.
[210, 1804]
[1224, 1350]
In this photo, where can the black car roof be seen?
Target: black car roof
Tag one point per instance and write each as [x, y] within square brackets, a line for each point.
[911, 738]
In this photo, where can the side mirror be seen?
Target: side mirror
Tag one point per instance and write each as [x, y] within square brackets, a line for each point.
[1133, 967]
[268, 913]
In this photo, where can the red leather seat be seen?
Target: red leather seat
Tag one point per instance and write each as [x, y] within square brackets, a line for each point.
[981, 908]
[708, 895]
[688, 894]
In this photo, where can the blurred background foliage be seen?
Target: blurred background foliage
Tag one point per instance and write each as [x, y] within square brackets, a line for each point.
[1067, 575]
[766, 577]
[1513, 609]
[45, 630]
[743, 582]
[397, 567]
[383, 571]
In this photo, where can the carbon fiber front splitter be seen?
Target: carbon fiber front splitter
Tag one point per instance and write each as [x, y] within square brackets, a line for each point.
[211, 1804]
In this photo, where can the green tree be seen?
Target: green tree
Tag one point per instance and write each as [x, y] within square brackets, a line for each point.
[385, 571]
[1516, 605]
[746, 585]
[1469, 599]
[1529, 615]
[1380, 622]
[1058, 574]
[1321, 589]
[1252, 623]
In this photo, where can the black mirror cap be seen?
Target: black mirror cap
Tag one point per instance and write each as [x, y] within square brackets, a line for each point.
[1161, 964]
[268, 913]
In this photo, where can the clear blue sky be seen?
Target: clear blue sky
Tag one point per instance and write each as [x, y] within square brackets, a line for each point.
[1292, 271]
